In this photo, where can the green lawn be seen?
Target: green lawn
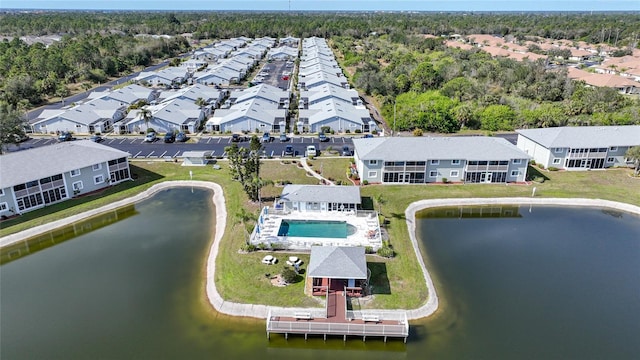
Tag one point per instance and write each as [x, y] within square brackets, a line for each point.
[242, 278]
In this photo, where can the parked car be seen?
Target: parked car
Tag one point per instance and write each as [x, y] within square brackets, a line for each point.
[368, 136]
[266, 137]
[311, 151]
[322, 137]
[151, 137]
[181, 137]
[65, 136]
[169, 137]
[238, 138]
[96, 138]
[284, 138]
[346, 151]
[288, 151]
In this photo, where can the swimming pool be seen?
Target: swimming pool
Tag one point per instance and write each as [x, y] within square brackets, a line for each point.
[316, 229]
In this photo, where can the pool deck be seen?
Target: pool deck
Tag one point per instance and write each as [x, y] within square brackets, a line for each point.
[366, 222]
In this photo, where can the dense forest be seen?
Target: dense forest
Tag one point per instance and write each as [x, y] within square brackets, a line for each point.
[433, 88]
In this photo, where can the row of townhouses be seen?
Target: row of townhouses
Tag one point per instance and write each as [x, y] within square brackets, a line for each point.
[326, 100]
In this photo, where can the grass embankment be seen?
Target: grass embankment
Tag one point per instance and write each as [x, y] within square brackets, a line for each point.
[398, 282]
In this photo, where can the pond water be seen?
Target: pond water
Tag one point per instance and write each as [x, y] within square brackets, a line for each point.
[553, 283]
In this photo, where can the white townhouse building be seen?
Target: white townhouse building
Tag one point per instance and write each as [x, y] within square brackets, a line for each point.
[34, 178]
[177, 114]
[580, 147]
[95, 116]
[164, 77]
[282, 53]
[336, 114]
[248, 116]
[420, 160]
[129, 94]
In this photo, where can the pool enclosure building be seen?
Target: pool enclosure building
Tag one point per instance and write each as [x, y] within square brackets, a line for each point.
[319, 198]
[308, 215]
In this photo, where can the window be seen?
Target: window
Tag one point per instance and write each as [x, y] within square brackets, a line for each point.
[97, 167]
[557, 150]
[373, 162]
[613, 148]
[433, 174]
[77, 186]
[75, 172]
[517, 161]
[1, 192]
[3, 206]
[454, 173]
[610, 160]
[372, 174]
[98, 179]
[455, 162]
[515, 173]
[434, 162]
[556, 161]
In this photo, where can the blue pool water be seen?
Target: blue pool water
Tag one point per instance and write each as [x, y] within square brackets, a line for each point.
[316, 228]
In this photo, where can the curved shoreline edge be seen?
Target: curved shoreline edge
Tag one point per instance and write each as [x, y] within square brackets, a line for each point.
[262, 311]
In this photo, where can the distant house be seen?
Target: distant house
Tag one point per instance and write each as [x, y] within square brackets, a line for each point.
[217, 76]
[319, 198]
[579, 148]
[255, 114]
[129, 94]
[289, 41]
[337, 115]
[164, 77]
[177, 114]
[321, 78]
[95, 116]
[622, 84]
[34, 178]
[420, 160]
[210, 95]
[282, 53]
[338, 268]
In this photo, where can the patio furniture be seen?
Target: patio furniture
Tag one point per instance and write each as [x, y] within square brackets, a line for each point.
[269, 260]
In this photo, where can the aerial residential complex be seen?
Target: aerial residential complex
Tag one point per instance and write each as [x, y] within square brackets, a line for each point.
[419, 160]
[580, 148]
[42, 176]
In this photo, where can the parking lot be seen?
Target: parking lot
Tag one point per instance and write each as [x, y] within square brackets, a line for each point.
[276, 73]
[215, 144]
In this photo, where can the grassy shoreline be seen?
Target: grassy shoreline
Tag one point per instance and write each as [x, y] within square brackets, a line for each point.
[401, 277]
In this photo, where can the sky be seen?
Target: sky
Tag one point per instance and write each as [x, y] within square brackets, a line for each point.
[347, 5]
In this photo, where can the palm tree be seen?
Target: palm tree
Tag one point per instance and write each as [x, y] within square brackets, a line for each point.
[145, 114]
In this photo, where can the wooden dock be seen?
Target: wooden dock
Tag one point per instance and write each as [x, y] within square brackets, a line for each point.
[337, 321]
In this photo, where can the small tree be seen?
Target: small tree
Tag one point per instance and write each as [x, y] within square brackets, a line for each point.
[634, 154]
[146, 116]
[381, 201]
[289, 275]
[12, 125]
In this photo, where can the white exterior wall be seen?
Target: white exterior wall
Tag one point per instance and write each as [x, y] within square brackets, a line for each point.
[540, 154]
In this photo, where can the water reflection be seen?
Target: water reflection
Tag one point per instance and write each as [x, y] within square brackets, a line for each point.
[476, 212]
[40, 242]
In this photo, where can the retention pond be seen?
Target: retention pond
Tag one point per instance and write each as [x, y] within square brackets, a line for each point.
[521, 283]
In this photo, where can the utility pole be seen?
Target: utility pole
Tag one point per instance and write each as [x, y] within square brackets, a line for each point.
[394, 118]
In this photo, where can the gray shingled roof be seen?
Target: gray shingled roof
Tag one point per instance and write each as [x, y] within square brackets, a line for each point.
[338, 262]
[437, 148]
[319, 193]
[22, 166]
[584, 136]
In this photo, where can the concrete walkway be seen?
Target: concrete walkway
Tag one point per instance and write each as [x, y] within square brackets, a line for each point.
[262, 311]
[310, 170]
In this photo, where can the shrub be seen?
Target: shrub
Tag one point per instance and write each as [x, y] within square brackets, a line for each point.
[552, 168]
[368, 250]
[374, 132]
[445, 180]
[150, 130]
[417, 132]
[347, 131]
[365, 182]
[289, 275]
[277, 246]
[386, 251]
[358, 131]
[248, 247]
